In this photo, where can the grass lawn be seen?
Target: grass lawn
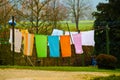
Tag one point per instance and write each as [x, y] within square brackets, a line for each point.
[63, 68]
[83, 25]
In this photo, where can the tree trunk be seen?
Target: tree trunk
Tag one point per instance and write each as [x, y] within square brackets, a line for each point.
[77, 24]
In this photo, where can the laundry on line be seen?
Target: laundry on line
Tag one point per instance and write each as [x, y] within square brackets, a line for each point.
[57, 43]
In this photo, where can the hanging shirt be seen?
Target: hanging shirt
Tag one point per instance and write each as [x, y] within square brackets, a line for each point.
[54, 46]
[41, 45]
[77, 43]
[88, 38]
[65, 46]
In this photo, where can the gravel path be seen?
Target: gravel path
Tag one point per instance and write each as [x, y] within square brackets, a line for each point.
[23, 74]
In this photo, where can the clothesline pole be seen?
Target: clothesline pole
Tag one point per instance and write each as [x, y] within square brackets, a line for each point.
[82, 56]
[71, 40]
[13, 40]
[107, 39]
[69, 32]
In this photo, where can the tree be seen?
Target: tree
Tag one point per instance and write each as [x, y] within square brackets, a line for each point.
[43, 13]
[77, 9]
[5, 11]
[108, 14]
[56, 12]
[35, 9]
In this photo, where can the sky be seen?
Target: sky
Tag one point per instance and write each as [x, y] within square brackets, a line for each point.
[96, 2]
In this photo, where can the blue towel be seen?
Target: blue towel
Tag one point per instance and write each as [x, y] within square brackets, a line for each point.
[54, 46]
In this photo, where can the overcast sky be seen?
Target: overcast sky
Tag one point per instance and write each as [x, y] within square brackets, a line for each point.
[96, 2]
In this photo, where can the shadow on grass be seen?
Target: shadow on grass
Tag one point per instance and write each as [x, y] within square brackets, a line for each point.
[111, 77]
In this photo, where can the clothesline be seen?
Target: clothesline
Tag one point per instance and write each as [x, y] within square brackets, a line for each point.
[53, 43]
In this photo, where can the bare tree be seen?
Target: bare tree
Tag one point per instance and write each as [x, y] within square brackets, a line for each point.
[8, 9]
[77, 8]
[5, 11]
[57, 12]
[34, 9]
[39, 12]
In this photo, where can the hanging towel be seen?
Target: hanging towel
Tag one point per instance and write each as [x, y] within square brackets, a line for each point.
[10, 39]
[54, 46]
[57, 32]
[25, 41]
[88, 38]
[28, 44]
[41, 45]
[23, 32]
[71, 34]
[77, 43]
[17, 40]
[65, 46]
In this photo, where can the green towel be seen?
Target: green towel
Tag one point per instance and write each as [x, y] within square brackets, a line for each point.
[41, 45]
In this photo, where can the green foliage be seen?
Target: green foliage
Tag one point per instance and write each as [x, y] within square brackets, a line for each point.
[108, 14]
[106, 61]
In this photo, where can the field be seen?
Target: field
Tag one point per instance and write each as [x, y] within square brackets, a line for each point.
[83, 25]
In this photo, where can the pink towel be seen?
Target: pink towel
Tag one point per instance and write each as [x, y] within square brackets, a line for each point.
[77, 43]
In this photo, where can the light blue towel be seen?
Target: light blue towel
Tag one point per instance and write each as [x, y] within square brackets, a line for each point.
[54, 46]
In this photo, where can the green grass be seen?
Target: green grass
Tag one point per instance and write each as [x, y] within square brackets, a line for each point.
[111, 77]
[63, 68]
[83, 25]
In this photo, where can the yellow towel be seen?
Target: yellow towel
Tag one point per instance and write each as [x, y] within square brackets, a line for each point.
[28, 42]
[23, 32]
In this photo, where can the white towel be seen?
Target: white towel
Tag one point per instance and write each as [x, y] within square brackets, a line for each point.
[10, 39]
[88, 38]
[57, 32]
[17, 40]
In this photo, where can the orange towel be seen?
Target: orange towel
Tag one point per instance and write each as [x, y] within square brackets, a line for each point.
[65, 46]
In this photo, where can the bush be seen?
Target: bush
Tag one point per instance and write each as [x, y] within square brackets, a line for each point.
[105, 61]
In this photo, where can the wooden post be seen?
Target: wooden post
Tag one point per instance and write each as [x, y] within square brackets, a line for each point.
[107, 39]
[13, 40]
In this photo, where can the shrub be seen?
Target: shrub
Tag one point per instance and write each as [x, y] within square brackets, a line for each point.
[106, 61]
